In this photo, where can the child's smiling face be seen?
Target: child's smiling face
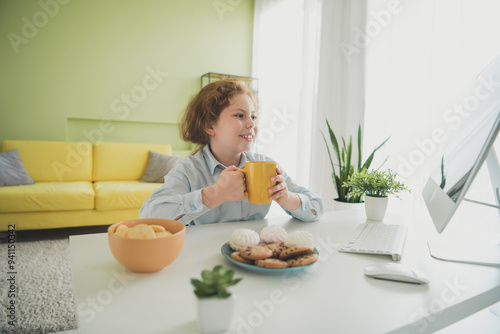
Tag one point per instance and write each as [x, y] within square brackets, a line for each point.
[235, 130]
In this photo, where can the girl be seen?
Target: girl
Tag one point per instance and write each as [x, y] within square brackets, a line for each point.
[207, 186]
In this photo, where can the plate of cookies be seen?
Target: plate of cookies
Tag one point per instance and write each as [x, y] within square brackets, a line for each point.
[273, 251]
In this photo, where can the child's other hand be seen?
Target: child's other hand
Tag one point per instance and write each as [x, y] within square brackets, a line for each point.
[281, 195]
[229, 187]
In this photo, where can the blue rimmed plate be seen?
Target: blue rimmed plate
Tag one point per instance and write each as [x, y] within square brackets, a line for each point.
[226, 250]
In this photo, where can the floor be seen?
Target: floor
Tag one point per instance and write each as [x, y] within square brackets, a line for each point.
[58, 233]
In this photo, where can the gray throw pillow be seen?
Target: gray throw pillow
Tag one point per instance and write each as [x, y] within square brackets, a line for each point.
[158, 166]
[12, 171]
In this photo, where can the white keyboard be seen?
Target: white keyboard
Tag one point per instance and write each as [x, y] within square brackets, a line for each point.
[377, 238]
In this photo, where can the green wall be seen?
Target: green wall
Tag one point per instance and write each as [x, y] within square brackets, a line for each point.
[113, 70]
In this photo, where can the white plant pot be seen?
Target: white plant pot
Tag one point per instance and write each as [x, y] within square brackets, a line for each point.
[375, 207]
[339, 206]
[215, 314]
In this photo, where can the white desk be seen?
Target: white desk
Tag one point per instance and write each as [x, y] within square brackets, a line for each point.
[333, 297]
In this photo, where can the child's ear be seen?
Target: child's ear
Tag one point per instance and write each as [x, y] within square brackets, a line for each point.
[209, 129]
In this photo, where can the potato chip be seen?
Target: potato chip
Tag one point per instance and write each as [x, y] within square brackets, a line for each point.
[122, 230]
[162, 234]
[157, 228]
[141, 231]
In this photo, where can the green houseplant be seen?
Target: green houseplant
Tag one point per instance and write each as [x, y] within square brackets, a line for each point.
[345, 167]
[374, 183]
[215, 302]
[376, 186]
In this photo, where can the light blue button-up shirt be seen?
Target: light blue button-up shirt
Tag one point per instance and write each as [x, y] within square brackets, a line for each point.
[180, 195]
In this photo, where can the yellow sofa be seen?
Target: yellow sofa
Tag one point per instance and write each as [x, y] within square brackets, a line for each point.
[77, 184]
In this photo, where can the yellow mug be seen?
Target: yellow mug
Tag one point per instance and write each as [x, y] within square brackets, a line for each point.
[258, 180]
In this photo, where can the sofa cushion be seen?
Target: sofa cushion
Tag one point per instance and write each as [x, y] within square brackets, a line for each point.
[12, 171]
[117, 195]
[49, 161]
[158, 166]
[47, 196]
[123, 161]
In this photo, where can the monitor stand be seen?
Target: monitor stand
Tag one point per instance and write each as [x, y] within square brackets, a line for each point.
[479, 251]
[475, 253]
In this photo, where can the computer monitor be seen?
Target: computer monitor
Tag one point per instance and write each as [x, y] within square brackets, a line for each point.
[461, 161]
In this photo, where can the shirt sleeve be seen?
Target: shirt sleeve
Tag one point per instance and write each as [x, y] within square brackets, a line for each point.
[311, 207]
[174, 200]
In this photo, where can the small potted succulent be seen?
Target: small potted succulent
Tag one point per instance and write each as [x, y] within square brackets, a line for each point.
[376, 186]
[215, 302]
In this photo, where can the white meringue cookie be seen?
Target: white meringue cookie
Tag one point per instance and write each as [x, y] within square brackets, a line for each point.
[300, 239]
[243, 237]
[273, 234]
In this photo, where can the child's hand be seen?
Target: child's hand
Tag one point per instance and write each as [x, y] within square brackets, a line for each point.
[281, 194]
[229, 187]
[231, 183]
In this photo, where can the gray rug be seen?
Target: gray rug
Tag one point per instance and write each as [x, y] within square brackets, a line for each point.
[43, 286]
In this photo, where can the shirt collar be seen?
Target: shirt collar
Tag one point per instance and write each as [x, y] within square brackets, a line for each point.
[213, 163]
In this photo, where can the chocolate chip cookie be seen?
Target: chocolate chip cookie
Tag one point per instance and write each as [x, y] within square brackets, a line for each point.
[277, 248]
[271, 263]
[295, 252]
[255, 252]
[303, 260]
[236, 256]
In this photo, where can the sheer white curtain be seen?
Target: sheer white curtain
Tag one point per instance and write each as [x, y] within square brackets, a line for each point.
[398, 68]
[305, 78]
[285, 61]
[420, 66]
[341, 87]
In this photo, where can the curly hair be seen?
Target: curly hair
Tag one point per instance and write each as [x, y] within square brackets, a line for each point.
[205, 108]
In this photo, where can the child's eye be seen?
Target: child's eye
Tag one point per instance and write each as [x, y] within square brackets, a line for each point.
[254, 117]
[239, 115]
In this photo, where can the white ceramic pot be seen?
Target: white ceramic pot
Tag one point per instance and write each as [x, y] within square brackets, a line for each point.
[375, 207]
[339, 206]
[215, 314]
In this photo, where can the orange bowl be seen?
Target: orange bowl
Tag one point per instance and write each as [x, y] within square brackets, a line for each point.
[147, 255]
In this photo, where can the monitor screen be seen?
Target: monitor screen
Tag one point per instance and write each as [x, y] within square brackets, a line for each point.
[462, 159]
[457, 163]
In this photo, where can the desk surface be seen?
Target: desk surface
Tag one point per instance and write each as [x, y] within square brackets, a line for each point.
[333, 295]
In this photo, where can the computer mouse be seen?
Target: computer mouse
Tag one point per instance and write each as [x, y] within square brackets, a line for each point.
[396, 272]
